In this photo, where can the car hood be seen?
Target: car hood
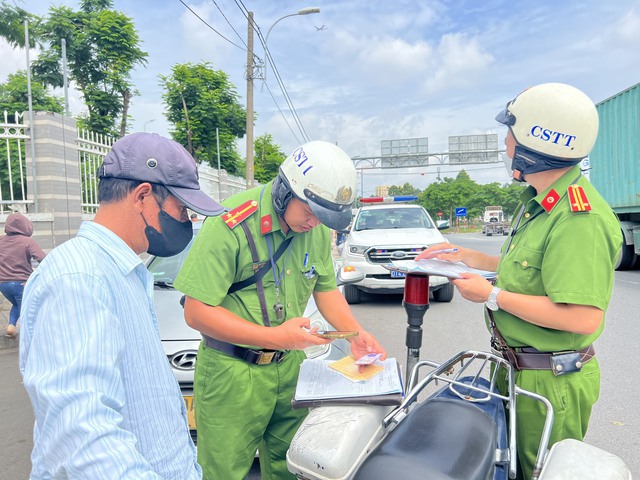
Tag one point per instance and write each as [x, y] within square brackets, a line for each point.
[396, 237]
[171, 322]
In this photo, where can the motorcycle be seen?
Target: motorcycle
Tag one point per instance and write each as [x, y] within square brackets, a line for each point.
[457, 430]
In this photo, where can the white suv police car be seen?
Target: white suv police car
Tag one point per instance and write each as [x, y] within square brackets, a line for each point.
[384, 232]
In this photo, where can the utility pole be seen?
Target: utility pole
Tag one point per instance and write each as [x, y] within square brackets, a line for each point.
[32, 139]
[249, 133]
[65, 80]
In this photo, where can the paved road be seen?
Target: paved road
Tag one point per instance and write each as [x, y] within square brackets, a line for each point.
[16, 420]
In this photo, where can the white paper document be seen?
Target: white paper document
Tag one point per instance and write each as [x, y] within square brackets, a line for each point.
[318, 381]
[434, 266]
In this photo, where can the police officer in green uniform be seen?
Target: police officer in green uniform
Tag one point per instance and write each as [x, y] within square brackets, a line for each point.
[555, 271]
[253, 332]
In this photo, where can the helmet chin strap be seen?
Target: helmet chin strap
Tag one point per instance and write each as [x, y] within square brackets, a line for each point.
[526, 162]
[281, 218]
[281, 196]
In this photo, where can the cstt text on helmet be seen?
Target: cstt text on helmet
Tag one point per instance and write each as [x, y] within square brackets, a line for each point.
[547, 135]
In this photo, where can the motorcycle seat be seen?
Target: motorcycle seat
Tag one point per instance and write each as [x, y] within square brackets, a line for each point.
[439, 439]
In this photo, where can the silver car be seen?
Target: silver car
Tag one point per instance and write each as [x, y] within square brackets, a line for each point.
[181, 342]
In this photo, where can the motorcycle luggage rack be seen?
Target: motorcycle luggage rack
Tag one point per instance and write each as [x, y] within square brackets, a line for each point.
[467, 360]
[472, 390]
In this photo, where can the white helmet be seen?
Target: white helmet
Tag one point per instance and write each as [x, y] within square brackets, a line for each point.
[553, 119]
[323, 176]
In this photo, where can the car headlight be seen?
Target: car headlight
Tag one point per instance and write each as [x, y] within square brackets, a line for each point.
[357, 249]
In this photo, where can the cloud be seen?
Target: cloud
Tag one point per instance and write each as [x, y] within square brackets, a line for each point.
[12, 60]
[381, 61]
[461, 60]
[384, 70]
[627, 30]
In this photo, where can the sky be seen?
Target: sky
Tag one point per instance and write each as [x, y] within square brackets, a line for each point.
[363, 71]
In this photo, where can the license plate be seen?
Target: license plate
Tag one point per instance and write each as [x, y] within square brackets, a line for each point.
[395, 274]
[191, 413]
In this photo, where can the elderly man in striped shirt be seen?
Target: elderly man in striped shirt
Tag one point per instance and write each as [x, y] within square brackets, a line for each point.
[105, 400]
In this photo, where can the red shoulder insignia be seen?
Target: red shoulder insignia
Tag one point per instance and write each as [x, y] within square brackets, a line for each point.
[578, 199]
[550, 200]
[265, 224]
[234, 217]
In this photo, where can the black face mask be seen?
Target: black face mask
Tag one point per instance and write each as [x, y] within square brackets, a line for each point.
[175, 235]
[527, 162]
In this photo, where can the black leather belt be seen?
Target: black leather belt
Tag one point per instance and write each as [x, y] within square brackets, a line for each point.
[254, 357]
[528, 358]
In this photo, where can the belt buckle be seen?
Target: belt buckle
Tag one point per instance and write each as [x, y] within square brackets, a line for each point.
[265, 358]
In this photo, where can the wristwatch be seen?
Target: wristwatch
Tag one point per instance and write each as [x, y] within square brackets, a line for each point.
[492, 301]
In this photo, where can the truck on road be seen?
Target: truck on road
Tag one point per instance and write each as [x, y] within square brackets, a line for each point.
[493, 221]
[615, 167]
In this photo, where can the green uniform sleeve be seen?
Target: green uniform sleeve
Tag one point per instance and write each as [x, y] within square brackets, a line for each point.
[577, 265]
[210, 267]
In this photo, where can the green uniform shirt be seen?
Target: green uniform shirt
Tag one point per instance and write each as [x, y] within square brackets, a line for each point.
[565, 255]
[221, 256]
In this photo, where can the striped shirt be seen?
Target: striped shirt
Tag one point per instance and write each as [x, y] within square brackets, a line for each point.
[105, 400]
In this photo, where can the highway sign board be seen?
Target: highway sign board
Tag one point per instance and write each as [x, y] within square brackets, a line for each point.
[461, 211]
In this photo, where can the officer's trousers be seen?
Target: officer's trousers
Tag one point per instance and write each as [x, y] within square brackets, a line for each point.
[240, 408]
[572, 396]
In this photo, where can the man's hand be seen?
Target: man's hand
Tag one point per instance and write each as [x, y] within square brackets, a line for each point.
[454, 253]
[473, 287]
[443, 251]
[294, 334]
[366, 343]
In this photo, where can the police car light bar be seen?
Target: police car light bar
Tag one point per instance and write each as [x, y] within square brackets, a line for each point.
[396, 199]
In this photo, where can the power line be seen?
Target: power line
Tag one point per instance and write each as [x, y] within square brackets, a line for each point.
[232, 28]
[205, 22]
[283, 89]
[282, 86]
[279, 80]
[282, 113]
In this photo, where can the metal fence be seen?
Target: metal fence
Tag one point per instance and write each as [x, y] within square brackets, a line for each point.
[16, 177]
[92, 148]
[13, 171]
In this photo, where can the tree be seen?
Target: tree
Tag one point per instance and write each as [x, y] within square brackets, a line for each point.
[267, 158]
[439, 197]
[511, 197]
[406, 189]
[446, 195]
[13, 98]
[12, 20]
[488, 194]
[14, 95]
[199, 100]
[101, 50]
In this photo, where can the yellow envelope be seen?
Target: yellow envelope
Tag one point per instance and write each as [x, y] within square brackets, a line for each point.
[347, 367]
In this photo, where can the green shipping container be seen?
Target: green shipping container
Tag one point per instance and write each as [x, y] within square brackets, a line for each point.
[615, 158]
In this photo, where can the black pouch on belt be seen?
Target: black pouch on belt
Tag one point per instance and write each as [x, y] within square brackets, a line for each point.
[563, 363]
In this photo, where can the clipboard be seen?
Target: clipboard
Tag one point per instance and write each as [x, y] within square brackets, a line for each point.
[320, 385]
[434, 266]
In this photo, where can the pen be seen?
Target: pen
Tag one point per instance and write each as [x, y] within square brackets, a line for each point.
[445, 250]
[306, 259]
[310, 274]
